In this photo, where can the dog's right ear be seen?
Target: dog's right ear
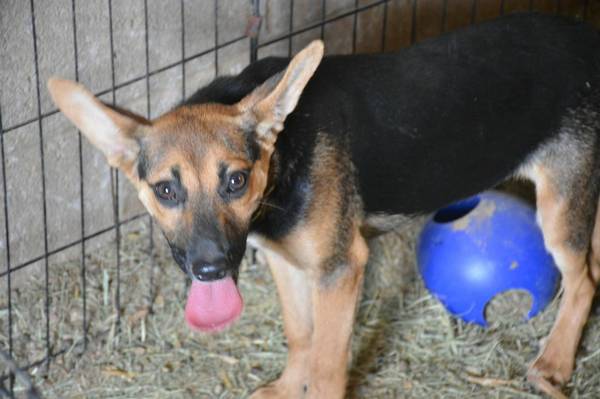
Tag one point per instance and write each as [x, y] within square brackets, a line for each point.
[269, 104]
[111, 131]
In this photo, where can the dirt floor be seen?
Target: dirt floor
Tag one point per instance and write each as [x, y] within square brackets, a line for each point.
[405, 344]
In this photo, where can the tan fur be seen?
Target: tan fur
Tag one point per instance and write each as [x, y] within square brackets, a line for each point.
[594, 256]
[294, 287]
[271, 103]
[111, 131]
[318, 330]
[554, 365]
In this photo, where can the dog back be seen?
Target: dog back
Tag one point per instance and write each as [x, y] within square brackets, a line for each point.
[442, 119]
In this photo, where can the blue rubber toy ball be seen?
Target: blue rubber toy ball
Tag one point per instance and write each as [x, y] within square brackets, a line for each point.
[482, 246]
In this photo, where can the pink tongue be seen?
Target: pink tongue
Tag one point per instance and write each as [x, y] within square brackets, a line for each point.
[214, 305]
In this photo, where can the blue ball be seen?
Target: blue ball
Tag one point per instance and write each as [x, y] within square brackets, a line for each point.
[480, 247]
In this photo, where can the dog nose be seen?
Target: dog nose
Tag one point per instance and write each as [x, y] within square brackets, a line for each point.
[208, 272]
[207, 260]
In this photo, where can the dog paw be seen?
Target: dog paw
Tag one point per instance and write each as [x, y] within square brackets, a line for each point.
[277, 390]
[548, 373]
[268, 391]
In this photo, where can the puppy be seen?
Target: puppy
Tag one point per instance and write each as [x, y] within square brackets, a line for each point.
[303, 158]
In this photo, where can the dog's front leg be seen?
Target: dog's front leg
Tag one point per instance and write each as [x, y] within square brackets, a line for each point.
[318, 313]
[295, 294]
[334, 305]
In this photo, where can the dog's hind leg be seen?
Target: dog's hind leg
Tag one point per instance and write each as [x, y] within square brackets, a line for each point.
[565, 174]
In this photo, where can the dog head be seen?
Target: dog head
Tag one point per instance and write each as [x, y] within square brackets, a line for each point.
[200, 171]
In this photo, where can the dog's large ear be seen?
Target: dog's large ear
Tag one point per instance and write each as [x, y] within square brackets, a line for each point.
[111, 131]
[275, 99]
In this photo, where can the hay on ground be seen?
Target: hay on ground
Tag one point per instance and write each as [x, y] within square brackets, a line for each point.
[405, 344]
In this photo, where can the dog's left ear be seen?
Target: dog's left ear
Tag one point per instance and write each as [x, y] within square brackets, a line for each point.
[269, 104]
[110, 130]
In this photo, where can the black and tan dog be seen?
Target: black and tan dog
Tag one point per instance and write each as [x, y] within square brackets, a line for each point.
[304, 158]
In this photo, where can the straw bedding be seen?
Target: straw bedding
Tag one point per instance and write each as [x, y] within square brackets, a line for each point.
[405, 344]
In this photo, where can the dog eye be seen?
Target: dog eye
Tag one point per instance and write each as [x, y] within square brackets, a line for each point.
[165, 191]
[237, 181]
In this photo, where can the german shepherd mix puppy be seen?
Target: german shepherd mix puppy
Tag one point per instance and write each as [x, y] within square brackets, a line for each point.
[302, 158]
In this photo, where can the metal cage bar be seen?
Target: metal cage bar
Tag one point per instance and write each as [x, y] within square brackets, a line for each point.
[254, 38]
[149, 116]
[216, 27]
[8, 277]
[81, 193]
[115, 179]
[43, 168]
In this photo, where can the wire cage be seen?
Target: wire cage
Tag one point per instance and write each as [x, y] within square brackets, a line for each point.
[60, 201]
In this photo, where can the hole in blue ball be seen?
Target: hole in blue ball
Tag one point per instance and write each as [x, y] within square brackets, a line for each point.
[456, 211]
